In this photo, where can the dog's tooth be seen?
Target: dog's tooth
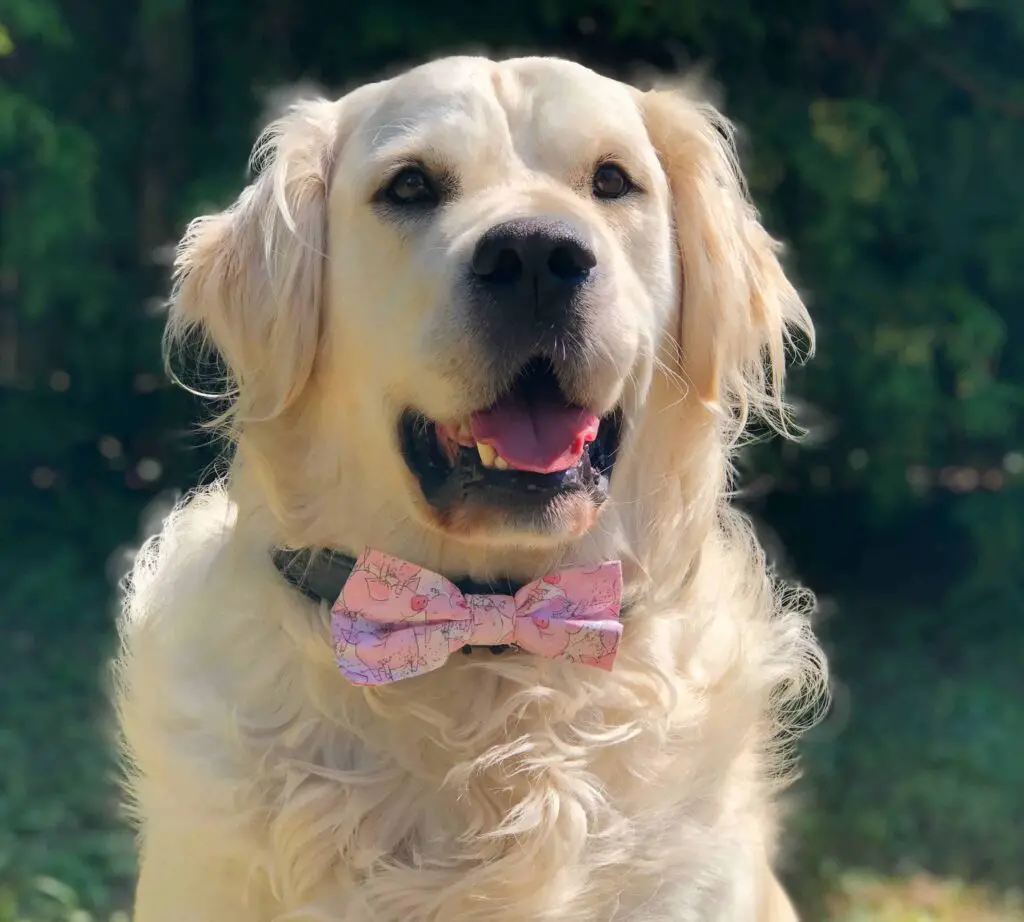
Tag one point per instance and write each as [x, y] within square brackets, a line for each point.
[488, 456]
[500, 463]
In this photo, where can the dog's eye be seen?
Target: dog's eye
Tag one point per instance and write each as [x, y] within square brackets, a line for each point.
[611, 181]
[411, 187]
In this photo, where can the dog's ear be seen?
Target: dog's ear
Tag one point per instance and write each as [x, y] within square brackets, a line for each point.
[739, 311]
[250, 278]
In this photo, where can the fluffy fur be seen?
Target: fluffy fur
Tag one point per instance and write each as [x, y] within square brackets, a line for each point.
[509, 788]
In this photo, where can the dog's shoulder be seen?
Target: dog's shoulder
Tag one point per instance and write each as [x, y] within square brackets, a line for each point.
[179, 560]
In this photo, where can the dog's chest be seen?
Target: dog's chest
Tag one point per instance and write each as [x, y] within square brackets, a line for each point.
[512, 834]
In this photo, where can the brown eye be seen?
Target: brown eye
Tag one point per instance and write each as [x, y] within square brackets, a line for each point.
[411, 187]
[611, 181]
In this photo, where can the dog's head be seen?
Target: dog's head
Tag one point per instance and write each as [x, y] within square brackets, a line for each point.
[488, 301]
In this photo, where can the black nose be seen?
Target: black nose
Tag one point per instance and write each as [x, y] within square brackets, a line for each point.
[537, 265]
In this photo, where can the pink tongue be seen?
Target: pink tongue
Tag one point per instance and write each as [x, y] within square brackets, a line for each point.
[539, 436]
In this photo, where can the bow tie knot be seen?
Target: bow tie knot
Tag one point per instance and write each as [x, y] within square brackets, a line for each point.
[394, 619]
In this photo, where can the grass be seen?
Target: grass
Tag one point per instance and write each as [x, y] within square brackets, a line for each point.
[859, 898]
[918, 898]
[922, 765]
[58, 806]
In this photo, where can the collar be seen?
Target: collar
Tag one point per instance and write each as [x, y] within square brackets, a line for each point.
[320, 574]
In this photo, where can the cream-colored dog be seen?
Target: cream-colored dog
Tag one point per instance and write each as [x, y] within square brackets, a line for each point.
[495, 319]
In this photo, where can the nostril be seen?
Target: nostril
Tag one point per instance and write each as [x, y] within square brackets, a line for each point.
[570, 262]
[507, 269]
[496, 261]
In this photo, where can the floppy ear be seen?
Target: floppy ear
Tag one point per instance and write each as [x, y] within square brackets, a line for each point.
[250, 278]
[739, 311]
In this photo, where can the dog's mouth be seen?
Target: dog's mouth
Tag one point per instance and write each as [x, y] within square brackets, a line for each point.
[529, 448]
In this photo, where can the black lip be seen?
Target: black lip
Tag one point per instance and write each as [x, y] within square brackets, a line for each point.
[448, 483]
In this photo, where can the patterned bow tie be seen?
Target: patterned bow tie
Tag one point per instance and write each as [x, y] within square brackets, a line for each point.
[394, 619]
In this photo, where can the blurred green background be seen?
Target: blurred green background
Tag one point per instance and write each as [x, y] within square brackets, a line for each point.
[884, 141]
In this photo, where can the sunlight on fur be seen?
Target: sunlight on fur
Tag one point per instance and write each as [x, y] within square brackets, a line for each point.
[497, 787]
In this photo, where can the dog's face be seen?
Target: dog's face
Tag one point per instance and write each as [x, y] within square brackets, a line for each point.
[508, 286]
[462, 283]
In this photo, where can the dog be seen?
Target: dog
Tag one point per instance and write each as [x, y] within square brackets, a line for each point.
[486, 323]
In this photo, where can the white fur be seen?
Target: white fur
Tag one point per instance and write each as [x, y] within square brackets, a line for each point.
[509, 788]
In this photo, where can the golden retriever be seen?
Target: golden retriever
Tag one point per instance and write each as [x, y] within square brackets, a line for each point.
[496, 319]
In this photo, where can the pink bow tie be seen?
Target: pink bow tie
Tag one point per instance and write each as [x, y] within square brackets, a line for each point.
[394, 619]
